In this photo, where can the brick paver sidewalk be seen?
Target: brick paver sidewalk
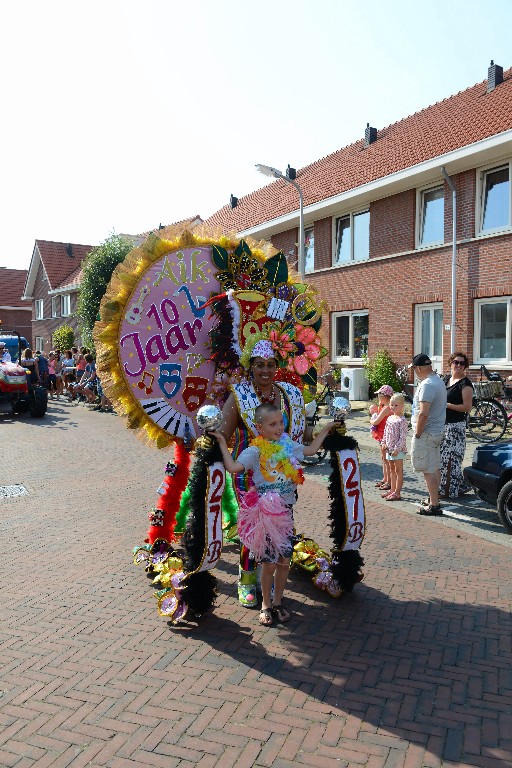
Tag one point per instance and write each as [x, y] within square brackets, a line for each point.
[412, 669]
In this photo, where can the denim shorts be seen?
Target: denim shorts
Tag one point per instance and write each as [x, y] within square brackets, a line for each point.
[399, 457]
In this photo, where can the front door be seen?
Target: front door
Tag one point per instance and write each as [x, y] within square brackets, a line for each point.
[428, 333]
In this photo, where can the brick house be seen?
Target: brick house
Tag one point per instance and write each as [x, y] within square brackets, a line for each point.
[379, 231]
[52, 286]
[15, 312]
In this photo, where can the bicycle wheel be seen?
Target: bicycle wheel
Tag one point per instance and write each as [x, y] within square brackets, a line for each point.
[316, 458]
[487, 420]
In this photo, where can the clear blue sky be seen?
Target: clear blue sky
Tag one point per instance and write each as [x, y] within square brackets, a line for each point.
[121, 114]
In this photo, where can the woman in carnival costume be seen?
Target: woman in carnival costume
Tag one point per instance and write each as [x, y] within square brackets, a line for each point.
[260, 360]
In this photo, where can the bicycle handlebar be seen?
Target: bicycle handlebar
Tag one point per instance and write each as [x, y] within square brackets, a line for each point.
[491, 376]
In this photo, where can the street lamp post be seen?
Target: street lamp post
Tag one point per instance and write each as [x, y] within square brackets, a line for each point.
[267, 170]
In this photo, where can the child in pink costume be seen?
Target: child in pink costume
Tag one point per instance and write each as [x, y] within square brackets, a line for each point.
[265, 520]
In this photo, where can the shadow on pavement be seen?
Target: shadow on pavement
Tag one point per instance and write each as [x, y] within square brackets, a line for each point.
[427, 671]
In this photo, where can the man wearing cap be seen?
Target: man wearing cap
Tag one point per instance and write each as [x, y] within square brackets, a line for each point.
[428, 418]
[4, 354]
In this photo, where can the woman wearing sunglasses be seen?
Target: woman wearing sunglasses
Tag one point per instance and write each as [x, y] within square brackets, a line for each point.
[459, 390]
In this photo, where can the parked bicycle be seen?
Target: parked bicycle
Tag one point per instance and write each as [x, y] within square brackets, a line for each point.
[324, 397]
[402, 374]
[492, 408]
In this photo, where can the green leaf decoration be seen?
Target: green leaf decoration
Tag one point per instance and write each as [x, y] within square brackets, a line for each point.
[316, 326]
[277, 269]
[242, 248]
[220, 257]
[323, 352]
[310, 378]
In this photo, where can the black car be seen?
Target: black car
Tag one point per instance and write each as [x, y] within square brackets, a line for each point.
[490, 474]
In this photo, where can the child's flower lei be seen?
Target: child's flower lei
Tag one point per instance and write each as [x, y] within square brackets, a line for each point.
[281, 451]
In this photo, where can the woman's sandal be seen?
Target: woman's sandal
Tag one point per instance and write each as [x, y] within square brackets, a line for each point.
[266, 618]
[281, 613]
[393, 497]
[385, 487]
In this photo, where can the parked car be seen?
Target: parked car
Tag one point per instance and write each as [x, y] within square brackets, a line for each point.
[490, 474]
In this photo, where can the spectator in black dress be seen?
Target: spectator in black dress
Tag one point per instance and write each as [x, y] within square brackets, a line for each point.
[459, 391]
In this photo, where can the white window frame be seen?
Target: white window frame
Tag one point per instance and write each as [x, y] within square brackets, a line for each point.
[351, 216]
[355, 313]
[39, 308]
[65, 305]
[437, 360]
[309, 269]
[501, 361]
[480, 190]
[420, 193]
[55, 308]
[39, 346]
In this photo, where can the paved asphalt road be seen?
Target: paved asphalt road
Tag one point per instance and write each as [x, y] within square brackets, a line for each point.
[411, 670]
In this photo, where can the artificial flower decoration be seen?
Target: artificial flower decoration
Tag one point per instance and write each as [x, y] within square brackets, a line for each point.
[243, 273]
[166, 570]
[170, 600]
[309, 349]
[283, 374]
[282, 344]
[325, 580]
[305, 554]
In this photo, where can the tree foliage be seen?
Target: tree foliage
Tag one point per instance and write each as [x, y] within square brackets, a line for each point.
[380, 369]
[63, 338]
[96, 273]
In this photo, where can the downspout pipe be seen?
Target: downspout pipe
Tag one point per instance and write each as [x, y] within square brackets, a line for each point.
[454, 257]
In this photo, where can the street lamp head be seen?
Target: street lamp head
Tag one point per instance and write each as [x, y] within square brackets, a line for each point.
[267, 170]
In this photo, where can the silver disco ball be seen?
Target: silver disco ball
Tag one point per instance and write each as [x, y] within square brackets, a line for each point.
[209, 418]
[340, 408]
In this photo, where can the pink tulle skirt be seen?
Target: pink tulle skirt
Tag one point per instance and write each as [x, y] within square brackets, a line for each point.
[265, 525]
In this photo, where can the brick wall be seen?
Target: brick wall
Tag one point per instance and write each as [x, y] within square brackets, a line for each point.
[392, 224]
[323, 243]
[390, 290]
[286, 242]
[465, 185]
[16, 320]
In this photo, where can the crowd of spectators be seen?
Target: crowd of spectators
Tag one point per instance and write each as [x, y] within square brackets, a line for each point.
[69, 374]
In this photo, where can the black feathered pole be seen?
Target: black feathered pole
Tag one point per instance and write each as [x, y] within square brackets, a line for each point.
[345, 564]
[199, 589]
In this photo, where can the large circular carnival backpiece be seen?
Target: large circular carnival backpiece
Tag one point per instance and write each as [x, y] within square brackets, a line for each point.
[163, 342]
[154, 339]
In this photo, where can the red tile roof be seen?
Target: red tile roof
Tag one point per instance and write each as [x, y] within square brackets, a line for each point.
[460, 120]
[12, 284]
[61, 260]
[190, 222]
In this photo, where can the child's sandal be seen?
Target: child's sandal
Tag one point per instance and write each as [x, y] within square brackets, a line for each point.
[281, 613]
[266, 618]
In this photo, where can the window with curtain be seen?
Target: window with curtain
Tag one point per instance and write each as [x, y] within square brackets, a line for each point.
[350, 335]
[309, 249]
